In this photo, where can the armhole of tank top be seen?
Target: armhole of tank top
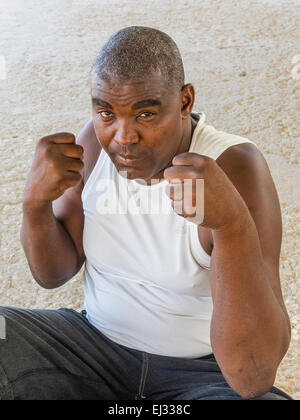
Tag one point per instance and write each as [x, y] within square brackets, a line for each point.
[91, 179]
[200, 255]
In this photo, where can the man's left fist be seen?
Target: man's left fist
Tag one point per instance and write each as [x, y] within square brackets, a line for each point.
[202, 193]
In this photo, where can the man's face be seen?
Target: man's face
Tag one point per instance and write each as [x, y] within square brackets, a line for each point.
[140, 118]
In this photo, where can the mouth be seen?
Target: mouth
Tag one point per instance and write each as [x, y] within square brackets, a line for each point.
[129, 159]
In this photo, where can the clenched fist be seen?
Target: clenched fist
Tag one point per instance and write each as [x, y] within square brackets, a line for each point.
[209, 198]
[57, 166]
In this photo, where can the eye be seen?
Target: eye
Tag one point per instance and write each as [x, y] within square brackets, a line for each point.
[106, 115]
[147, 115]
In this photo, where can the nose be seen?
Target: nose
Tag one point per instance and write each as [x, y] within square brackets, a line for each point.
[126, 135]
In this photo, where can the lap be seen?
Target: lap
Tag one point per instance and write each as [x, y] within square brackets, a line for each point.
[57, 354]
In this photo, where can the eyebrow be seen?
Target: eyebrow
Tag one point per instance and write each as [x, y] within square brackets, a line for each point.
[142, 104]
[146, 103]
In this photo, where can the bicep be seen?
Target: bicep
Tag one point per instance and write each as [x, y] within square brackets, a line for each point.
[69, 212]
[68, 208]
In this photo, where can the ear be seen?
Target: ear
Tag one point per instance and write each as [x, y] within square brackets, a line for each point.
[187, 100]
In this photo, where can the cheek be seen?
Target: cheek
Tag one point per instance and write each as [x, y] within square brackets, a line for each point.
[156, 136]
[104, 136]
[167, 139]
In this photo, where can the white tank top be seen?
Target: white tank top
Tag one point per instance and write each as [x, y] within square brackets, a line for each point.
[146, 276]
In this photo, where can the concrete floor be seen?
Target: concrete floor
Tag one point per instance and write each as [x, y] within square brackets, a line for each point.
[243, 58]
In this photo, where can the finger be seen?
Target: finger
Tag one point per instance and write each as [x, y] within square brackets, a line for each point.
[183, 209]
[73, 165]
[69, 150]
[61, 138]
[175, 191]
[70, 180]
[188, 159]
[177, 174]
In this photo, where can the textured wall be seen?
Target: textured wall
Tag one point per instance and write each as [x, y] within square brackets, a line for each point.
[237, 53]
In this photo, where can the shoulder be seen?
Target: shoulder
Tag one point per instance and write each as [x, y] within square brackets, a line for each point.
[248, 152]
[88, 140]
[247, 168]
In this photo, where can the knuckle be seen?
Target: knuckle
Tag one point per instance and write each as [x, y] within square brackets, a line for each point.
[45, 140]
[47, 153]
[42, 141]
[42, 145]
[46, 149]
[64, 136]
[194, 172]
[53, 165]
[207, 162]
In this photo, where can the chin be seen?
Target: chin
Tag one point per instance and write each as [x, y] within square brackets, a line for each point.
[131, 173]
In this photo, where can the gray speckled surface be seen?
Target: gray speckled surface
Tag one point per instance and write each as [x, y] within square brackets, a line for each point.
[237, 53]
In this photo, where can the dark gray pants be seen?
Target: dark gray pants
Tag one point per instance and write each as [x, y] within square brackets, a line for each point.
[59, 355]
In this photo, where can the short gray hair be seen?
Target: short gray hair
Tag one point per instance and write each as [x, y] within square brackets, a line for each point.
[136, 52]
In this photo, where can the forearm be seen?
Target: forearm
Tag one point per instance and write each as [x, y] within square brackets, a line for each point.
[249, 327]
[49, 250]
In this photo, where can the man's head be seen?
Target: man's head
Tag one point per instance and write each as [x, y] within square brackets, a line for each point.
[141, 106]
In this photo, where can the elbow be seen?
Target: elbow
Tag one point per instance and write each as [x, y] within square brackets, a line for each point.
[51, 283]
[251, 388]
[48, 285]
[255, 391]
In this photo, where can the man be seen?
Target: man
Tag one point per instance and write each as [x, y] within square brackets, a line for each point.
[180, 304]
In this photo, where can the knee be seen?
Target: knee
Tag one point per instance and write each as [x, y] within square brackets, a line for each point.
[7, 311]
[10, 312]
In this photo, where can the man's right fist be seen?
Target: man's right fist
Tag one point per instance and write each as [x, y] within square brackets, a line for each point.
[57, 166]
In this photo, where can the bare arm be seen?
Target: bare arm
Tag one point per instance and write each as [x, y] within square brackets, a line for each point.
[53, 247]
[250, 328]
[50, 251]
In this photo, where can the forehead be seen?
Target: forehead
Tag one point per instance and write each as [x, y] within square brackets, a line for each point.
[131, 91]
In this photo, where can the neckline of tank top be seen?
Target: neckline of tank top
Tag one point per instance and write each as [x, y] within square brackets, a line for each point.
[160, 184]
